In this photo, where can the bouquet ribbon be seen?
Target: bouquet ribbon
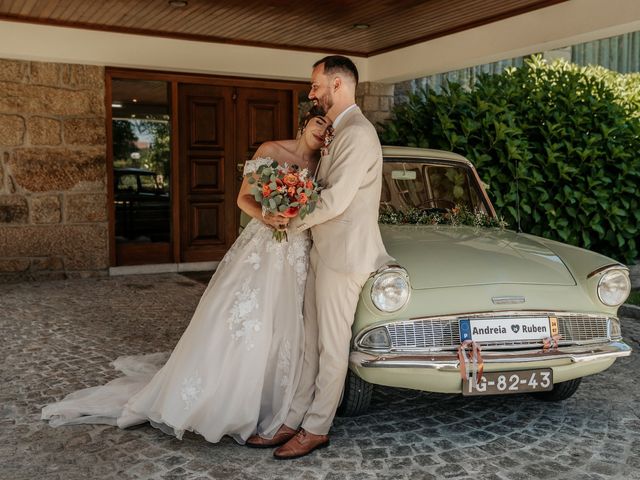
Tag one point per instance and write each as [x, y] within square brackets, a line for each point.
[471, 358]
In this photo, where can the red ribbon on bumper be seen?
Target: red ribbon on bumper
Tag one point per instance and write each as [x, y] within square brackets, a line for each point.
[473, 357]
[550, 342]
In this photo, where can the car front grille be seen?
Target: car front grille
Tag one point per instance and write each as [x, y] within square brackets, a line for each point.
[444, 333]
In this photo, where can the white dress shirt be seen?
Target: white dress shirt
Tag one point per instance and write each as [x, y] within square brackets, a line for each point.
[342, 114]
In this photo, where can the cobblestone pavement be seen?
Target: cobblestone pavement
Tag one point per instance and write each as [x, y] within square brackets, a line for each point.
[60, 336]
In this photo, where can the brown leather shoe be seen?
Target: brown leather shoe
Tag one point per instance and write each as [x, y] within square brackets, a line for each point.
[283, 435]
[302, 444]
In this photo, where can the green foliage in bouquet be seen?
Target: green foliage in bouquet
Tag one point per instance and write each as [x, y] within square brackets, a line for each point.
[460, 215]
[570, 134]
[284, 190]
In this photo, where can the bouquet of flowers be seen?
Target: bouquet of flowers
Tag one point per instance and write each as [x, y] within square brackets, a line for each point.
[284, 189]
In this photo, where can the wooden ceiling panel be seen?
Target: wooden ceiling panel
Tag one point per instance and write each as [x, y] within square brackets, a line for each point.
[288, 24]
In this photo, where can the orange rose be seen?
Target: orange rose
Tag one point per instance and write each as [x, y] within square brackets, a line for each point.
[290, 179]
[291, 191]
[309, 184]
[303, 198]
[290, 212]
[266, 191]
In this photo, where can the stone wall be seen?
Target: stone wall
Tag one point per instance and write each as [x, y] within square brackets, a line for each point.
[53, 198]
[376, 101]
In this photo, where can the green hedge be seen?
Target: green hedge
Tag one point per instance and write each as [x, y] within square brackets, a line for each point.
[571, 134]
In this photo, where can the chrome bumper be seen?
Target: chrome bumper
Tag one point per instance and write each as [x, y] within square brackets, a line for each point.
[449, 360]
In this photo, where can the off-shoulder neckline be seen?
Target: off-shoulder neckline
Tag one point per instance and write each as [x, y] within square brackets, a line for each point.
[271, 159]
[263, 158]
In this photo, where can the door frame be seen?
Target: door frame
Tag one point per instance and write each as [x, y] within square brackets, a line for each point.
[174, 78]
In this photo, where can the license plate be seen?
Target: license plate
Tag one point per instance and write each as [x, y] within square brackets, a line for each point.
[507, 329]
[500, 383]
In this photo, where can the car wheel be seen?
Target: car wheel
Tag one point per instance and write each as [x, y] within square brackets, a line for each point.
[561, 391]
[355, 397]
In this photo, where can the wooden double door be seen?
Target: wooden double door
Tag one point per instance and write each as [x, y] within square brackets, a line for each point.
[211, 126]
[220, 128]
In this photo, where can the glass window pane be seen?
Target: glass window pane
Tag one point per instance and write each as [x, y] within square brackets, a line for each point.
[141, 160]
[429, 186]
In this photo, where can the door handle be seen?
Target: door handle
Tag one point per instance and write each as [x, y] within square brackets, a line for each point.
[240, 172]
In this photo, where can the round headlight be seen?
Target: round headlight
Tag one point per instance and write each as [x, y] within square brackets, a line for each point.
[390, 291]
[614, 287]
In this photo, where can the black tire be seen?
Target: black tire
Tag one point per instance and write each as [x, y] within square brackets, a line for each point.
[561, 391]
[356, 396]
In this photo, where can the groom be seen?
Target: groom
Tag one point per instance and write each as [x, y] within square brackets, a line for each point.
[347, 247]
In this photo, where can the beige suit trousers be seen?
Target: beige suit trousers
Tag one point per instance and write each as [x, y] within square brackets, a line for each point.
[330, 303]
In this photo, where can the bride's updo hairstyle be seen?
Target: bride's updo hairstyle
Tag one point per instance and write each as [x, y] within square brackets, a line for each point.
[315, 111]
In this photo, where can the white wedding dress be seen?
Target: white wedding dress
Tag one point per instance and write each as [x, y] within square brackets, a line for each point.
[236, 368]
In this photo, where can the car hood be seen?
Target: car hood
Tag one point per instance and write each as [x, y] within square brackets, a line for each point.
[446, 256]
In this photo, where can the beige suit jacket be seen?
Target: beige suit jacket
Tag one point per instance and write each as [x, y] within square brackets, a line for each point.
[344, 225]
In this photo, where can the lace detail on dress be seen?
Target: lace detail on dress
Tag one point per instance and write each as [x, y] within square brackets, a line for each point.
[242, 323]
[284, 362]
[249, 234]
[252, 166]
[191, 389]
[298, 258]
[254, 260]
[276, 250]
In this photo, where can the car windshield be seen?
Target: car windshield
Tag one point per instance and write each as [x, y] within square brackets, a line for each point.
[429, 185]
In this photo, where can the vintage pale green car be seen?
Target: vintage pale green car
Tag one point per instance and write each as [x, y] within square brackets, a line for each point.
[538, 315]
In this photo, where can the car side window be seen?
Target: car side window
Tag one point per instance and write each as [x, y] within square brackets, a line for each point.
[148, 183]
[128, 183]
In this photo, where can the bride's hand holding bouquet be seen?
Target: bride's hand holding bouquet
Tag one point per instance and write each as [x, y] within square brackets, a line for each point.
[283, 191]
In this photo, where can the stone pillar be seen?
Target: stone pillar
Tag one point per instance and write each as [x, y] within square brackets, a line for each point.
[376, 101]
[402, 91]
[53, 198]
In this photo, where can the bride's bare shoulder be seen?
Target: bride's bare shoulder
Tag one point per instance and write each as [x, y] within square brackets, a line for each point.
[268, 150]
[278, 150]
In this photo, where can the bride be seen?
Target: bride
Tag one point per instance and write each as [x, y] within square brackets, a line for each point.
[235, 370]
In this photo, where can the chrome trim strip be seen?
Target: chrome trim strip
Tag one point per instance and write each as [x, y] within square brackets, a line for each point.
[388, 266]
[612, 266]
[502, 313]
[449, 361]
[507, 300]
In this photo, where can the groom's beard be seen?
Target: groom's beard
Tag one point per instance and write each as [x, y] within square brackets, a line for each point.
[326, 102]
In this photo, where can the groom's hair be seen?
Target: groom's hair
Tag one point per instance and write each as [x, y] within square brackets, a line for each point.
[338, 63]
